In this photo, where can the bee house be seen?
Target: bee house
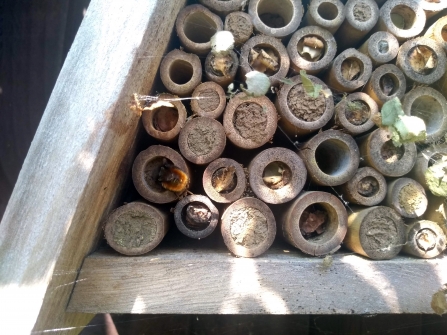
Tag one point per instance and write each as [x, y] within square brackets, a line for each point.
[75, 172]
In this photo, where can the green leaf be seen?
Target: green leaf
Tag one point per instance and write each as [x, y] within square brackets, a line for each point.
[390, 111]
[258, 84]
[410, 128]
[313, 90]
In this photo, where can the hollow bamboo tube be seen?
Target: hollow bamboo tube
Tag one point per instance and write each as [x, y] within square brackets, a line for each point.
[202, 140]
[378, 152]
[240, 25]
[431, 106]
[300, 113]
[376, 232]
[278, 18]
[386, 82]
[248, 227]
[271, 46]
[432, 8]
[195, 25]
[438, 32]
[367, 188]
[350, 70]
[250, 122]
[437, 211]
[414, 67]
[315, 223]
[224, 8]
[355, 113]
[146, 173]
[382, 47]
[305, 37]
[135, 228]
[407, 197]
[277, 175]
[361, 17]
[164, 123]
[181, 72]
[327, 14]
[224, 180]
[222, 75]
[425, 239]
[426, 158]
[402, 18]
[196, 216]
[331, 157]
[209, 100]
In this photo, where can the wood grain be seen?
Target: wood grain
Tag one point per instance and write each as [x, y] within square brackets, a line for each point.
[78, 160]
[211, 282]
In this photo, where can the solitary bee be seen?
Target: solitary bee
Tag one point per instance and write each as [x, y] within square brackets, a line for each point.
[173, 178]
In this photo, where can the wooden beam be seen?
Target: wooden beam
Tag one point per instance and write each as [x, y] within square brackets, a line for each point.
[78, 160]
[214, 282]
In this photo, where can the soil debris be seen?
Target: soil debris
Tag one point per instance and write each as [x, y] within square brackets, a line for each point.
[362, 12]
[201, 140]
[248, 227]
[411, 199]
[250, 122]
[305, 107]
[390, 153]
[208, 100]
[134, 230]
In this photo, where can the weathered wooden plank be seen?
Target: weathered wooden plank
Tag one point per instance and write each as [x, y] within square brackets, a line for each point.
[77, 160]
[211, 282]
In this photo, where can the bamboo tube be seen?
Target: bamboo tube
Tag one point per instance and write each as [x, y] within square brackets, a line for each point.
[386, 82]
[425, 159]
[319, 41]
[438, 31]
[209, 100]
[432, 8]
[367, 188]
[376, 232]
[181, 72]
[202, 140]
[135, 228]
[425, 239]
[278, 18]
[277, 54]
[411, 60]
[331, 157]
[315, 223]
[378, 152]
[250, 122]
[431, 106]
[240, 25]
[165, 122]
[195, 25]
[361, 17]
[224, 180]
[355, 113]
[300, 113]
[381, 47]
[407, 197]
[327, 14]
[437, 211]
[277, 175]
[350, 70]
[402, 18]
[248, 227]
[224, 8]
[146, 173]
[196, 216]
[221, 69]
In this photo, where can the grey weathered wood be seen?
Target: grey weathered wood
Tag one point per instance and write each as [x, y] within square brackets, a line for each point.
[78, 160]
[208, 281]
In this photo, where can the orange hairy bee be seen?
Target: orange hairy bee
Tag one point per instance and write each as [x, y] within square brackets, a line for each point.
[173, 178]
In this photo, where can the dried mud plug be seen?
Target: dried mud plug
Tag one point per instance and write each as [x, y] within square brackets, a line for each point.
[407, 197]
[196, 216]
[135, 228]
[375, 232]
[240, 25]
[277, 175]
[248, 227]
[279, 18]
[425, 239]
[315, 223]
[209, 100]
[224, 180]
[367, 188]
[160, 174]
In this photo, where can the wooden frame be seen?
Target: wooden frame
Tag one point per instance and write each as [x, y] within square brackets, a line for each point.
[75, 169]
